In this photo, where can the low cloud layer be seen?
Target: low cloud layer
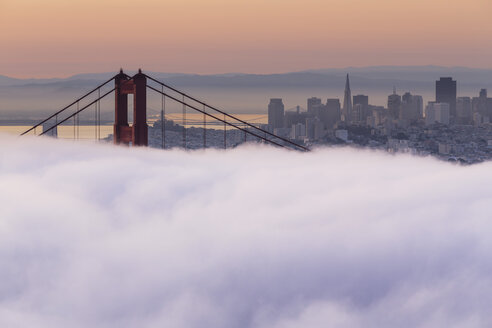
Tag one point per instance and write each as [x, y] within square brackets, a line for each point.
[103, 236]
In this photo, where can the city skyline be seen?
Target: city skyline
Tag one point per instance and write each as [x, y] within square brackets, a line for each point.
[450, 127]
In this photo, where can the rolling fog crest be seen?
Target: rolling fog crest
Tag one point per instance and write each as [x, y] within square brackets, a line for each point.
[105, 236]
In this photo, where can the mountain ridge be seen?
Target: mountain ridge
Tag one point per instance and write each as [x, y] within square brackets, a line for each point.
[384, 70]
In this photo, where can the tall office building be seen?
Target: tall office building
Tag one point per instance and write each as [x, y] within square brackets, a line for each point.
[333, 112]
[394, 102]
[479, 104]
[419, 102]
[446, 93]
[362, 104]
[312, 104]
[488, 105]
[463, 110]
[411, 108]
[357, 114]
[333, 104]
[276, 113]
[361, 99]
[347, 101]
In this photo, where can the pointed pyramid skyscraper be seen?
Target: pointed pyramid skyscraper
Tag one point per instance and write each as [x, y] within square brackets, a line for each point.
[347, 101]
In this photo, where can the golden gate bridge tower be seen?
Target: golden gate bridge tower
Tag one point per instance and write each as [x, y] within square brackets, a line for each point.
[137, 133]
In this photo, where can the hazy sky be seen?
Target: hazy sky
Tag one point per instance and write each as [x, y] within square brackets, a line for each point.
[59, 38]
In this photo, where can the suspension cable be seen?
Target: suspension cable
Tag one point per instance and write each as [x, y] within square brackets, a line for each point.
[78, 111]
[228, 115]
[217, 118]
[68, 106]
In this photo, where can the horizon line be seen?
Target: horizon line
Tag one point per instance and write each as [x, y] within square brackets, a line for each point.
[310, 70]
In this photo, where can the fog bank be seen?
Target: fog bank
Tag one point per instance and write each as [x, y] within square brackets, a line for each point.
[104, 236]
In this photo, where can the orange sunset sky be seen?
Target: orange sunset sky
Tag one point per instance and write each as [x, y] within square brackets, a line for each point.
[56, 38]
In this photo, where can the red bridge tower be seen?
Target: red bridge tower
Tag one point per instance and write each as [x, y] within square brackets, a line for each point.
[137, 133]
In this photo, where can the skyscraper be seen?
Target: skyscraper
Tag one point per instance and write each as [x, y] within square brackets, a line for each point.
[331, 113]
[347, 101]
[479, 104]
[411, 108]
[446, 93]
[361, 99]
[394, 102]
[312, 103]
[363, 109]
[463, 110]
[276, 113]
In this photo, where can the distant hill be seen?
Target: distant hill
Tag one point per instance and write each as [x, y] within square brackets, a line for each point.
[416, 73]
[10, 81]
[318, 77]
[248, 93]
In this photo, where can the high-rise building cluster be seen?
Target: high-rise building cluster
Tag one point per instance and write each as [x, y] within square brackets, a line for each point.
[324, 118]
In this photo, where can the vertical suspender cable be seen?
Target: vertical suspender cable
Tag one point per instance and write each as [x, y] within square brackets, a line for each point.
[184, 123]
[99, 115]
[95, 121]
[78, 121]
[162, 129]
[75, 123]
[204, 128]
[163, 118]
[225, 134]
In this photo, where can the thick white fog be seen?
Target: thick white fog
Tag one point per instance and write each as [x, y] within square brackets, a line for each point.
[103, 236]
